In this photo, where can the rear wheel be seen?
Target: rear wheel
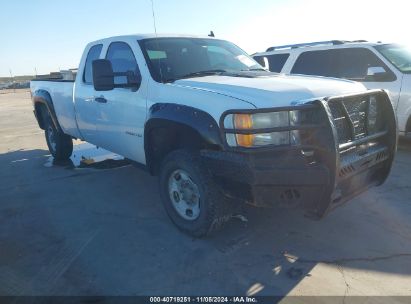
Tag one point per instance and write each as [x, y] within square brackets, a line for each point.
[60, 145]
[192, 199]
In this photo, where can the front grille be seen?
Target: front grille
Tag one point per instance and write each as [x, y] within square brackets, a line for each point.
[340, 121]
[350, 116]
[357, 111]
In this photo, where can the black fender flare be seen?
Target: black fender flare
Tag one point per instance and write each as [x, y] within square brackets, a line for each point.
[408, 125]
[43, 97]
[169, 115]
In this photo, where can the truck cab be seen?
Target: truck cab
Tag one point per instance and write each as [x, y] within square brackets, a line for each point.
[218, 129]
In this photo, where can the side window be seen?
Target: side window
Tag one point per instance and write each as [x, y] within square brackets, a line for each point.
[93, 54]
[276, 62]
[318, 63]
[355, 64]
[122, 60]
[348, 63]
[260, 60]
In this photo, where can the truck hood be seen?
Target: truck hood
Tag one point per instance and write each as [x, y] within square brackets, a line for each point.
[273, 90]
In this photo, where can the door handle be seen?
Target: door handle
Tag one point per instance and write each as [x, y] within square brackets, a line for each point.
[100, 99]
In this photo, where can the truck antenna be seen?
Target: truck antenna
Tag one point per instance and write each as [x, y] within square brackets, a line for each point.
[155, 32]
[154, 17]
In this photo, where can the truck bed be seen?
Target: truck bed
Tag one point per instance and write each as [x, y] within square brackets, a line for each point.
[61, 94]
[62, 76]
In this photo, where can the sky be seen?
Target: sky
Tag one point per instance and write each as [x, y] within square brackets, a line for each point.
[49, 35]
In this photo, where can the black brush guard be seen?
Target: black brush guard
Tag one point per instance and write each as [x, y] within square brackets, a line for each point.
[340, 155]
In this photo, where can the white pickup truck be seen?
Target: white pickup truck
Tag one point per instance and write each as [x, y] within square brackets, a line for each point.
[218, 129]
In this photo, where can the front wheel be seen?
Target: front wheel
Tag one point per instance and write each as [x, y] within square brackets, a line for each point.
[192, 199]
[60, 145]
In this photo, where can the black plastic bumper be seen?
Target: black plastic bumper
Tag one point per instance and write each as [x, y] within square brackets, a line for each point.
[292, 179]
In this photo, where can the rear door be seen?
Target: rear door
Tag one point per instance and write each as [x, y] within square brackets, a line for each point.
[86, 108]
[122, 114]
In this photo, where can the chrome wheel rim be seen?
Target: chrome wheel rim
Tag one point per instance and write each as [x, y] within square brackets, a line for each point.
[51, 138]
[184, 195]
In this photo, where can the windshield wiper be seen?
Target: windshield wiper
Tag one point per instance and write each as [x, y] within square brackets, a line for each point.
[200, 74]
[211, 72]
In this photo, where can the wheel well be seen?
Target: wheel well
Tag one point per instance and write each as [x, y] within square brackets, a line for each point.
[41, 114]
[160, 141]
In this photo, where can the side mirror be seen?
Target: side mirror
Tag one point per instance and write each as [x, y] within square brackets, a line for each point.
[262, 60]
[103, 76]
[377, 74]
[372, 71]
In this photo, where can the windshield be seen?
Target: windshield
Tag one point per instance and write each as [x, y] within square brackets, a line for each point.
[170, 59]
[398, 55]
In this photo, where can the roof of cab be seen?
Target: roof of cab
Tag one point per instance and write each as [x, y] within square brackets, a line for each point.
[148, 36]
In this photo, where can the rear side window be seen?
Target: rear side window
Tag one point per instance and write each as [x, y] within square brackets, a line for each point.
[318, 63]
[93, 54]
[275, 62]
[348, 63]
[122, 60]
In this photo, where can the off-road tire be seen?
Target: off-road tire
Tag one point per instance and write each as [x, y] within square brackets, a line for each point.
[215, 207]
[60, 145]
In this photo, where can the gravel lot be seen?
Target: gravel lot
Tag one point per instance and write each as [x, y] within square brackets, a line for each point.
[103, 231]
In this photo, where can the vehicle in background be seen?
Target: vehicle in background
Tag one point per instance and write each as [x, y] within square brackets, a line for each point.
[217, 128]
[62, 75]
[376, 65]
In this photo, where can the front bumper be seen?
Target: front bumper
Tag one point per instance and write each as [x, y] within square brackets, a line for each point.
[318, 175]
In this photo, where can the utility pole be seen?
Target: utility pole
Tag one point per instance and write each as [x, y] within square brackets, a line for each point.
[12, 81]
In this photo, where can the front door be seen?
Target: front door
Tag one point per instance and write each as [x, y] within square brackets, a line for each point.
[122, 111]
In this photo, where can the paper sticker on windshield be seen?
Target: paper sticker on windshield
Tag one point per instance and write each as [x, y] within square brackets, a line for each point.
[247, 61]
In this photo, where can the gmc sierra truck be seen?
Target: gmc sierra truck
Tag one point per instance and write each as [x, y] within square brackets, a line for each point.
[218, 129]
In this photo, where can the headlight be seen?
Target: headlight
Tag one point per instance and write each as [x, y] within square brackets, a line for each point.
[269, 120]
[274, 138]
[259, 121]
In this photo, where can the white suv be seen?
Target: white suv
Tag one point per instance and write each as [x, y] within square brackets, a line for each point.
[376, 65]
